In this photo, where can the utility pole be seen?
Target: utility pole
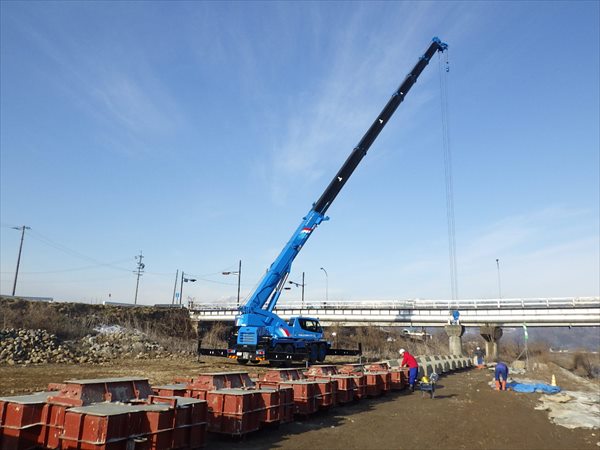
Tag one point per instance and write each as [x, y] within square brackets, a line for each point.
[181, 288]
[140, 270]
[23, 228]
[175, 286]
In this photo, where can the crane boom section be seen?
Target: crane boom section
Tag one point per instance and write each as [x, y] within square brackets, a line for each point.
[269, 289]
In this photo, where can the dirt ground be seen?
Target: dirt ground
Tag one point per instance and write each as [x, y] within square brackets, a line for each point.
[466, 413]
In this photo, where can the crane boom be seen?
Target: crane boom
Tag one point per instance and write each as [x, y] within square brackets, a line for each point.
[268, 291]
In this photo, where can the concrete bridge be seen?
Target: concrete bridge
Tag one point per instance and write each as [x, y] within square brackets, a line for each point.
[536, 312]
[488, 314]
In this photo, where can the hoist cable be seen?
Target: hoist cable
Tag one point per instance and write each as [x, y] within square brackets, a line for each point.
[444, 69]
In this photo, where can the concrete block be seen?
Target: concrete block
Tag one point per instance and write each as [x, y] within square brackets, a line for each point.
[458, 360]
[444, 363]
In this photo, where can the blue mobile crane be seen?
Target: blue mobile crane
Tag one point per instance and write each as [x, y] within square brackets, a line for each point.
[259, 333]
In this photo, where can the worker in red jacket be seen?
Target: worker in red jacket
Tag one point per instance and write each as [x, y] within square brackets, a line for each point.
[409, 361]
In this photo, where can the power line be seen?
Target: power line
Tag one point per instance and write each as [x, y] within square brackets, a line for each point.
[40, 237]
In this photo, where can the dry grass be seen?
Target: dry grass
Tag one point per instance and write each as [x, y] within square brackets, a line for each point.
[172, 328]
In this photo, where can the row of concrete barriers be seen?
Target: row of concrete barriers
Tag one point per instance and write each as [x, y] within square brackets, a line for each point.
[439, 364]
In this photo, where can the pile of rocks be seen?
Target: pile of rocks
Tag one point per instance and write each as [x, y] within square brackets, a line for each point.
[18, 346]
[119, 344]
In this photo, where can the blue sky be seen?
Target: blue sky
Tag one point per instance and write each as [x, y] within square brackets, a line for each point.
[201, 133]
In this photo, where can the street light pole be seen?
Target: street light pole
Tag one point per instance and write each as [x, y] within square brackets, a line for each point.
[239, 274]
[499, 284]
[23, 228]
[326, 284]
[184, 280]
[299, 285]
[239, 280]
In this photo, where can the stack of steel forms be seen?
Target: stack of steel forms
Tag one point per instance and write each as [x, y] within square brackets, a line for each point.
[327, 387]
[236, 406]
[115, 414]
[306, 392]
[398, 374]
[377, 382]
[350, 387]
[23, 421]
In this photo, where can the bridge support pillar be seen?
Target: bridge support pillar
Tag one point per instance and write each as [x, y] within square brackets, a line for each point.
[491, 334]
[455, 333]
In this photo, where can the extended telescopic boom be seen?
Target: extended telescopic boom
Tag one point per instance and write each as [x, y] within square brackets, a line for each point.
[269, 289]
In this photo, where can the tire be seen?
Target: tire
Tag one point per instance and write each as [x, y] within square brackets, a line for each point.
[254, 361]
[243, 362]
[322, 353]
[313, 353]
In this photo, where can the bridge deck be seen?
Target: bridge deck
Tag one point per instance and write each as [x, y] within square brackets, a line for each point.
[509, 312]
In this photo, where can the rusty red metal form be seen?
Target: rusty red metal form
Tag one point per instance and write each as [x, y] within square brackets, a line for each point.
[189, 422]
[233, 411]
[235, 404]
[23, 421]
[129, 421]
[159, 423]
[86, 392]
[172, 390]
[286, 404]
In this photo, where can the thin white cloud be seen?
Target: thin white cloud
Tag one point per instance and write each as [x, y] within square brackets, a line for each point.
[123, 96]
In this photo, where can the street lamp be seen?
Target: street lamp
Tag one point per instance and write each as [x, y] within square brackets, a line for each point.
[299, 285]
[326, 285]
[239, 274]
[499, 285]
[184, 280]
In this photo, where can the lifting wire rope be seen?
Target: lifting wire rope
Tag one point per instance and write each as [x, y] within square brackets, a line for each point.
[444, 69]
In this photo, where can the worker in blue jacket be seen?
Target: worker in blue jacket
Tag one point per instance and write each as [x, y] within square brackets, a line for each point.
[500, 376]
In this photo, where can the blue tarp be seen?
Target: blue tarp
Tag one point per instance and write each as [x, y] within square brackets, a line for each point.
[533, 387]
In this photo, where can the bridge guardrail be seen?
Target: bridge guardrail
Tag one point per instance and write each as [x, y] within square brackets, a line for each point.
[505, 303]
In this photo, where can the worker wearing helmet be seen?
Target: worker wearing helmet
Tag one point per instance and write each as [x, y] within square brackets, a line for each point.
[500, 376]
[409, 361]
[479, 355]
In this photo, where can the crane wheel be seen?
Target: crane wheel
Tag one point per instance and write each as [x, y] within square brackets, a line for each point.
[243, 362]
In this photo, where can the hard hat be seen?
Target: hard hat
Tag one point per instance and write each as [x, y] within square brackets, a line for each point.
[478, 348]
[401, 351]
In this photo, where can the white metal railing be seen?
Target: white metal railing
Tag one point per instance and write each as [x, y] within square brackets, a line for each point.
[504, 303]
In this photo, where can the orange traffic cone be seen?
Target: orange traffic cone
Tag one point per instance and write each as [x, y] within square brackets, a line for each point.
[553, 380]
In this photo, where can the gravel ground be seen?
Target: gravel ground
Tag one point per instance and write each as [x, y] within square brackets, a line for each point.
[466, 413]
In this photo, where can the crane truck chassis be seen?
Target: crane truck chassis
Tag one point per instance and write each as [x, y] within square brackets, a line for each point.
[259, 333]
